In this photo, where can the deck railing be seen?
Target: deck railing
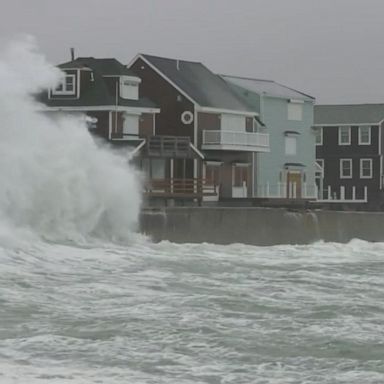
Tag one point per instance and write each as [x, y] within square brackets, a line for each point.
[233, 138]
[344, 195]
[287, 191]
[180, 188]
[169, 146]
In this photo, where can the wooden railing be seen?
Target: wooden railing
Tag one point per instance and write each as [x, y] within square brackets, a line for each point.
[188, 188]
[169, 146]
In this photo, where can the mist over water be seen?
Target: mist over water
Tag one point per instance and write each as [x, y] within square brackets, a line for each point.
[55, 180]
[123, 310]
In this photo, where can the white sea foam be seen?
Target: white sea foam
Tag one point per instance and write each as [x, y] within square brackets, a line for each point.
[55, 180]
[167, 313]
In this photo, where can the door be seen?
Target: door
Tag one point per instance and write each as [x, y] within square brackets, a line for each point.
[294, 185]
[240, 176]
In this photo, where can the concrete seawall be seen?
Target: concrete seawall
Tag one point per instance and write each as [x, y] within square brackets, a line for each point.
[259, 226]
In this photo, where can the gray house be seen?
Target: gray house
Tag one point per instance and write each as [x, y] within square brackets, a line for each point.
[288, 170]
[349, 149]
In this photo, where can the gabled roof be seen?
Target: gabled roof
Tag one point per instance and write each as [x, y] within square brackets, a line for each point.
[267, 87]
[104, 67]
[97, 93]
[195, 80]
[348, 114]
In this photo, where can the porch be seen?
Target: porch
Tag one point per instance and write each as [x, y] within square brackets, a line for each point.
[180, 189]
[235, 141]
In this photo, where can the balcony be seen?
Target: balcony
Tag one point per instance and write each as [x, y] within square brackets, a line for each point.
[235, 141]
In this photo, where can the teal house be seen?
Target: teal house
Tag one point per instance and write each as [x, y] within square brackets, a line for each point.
[288, 170]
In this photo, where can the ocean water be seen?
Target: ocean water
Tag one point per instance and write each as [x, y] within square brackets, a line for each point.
[83, 299]
[167, 313]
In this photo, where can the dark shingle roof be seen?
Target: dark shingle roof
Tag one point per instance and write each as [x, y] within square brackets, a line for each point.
[104, 67]
[203, 86]
[348, 114]
[97, 93]
[267, 87]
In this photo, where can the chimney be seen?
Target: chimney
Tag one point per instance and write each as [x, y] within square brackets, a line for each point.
[72, 54]
[178, 65]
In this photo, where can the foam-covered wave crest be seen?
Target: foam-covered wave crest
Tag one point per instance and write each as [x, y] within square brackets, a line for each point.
[55, 180]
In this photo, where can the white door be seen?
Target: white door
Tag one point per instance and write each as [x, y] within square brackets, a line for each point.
[240, 180]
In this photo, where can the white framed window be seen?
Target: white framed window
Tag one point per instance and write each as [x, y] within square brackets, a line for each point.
[290, 145]
[66, 86]
[319, 135]
[345, 168]
[365, 135]
[365, 168]
[129, 89]
[295, 111]
[240, 175]
[344, 135]
[320, 163]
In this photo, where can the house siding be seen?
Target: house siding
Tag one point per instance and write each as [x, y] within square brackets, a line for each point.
[270, 167]
[206, 121]
[171, 103]
[146, 125]
[331, 153]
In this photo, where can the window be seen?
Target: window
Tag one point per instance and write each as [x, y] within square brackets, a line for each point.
[240, 175]
[320, 166]
[212, 174]
[129, 89]
[344, 135]
[290, 145]
[66, 86]
[366, 168]
[319, 136]
[130, 125]
[364, 135]
[345, 168]
[295, 111]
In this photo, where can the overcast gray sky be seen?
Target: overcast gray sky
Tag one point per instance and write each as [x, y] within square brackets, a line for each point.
[331, 49]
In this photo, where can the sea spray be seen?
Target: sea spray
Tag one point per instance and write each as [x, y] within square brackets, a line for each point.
[55, 179]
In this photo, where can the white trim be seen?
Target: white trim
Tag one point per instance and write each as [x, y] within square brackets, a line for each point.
[341, 169]
[78, 83]
[134, 79]
[296, 101]
[320, 164]
[137, 149]
[320, 129]
[185, 116]
[370, 169]
[339, 136]
[85, 68]
[140, 56]
[370, 135]
[109, 125]
[213, 163]
[336, 125]
[133, 110]
[65, 92]
[229, 111]
[197, 151]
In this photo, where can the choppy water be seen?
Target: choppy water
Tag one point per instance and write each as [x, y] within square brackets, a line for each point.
[156, 313]
[166, 313]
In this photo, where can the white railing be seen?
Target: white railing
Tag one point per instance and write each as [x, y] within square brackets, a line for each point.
[232, 138]
[343, 195]
[290, 191]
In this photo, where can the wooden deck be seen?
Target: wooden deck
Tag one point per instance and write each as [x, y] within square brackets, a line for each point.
[180, 188]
